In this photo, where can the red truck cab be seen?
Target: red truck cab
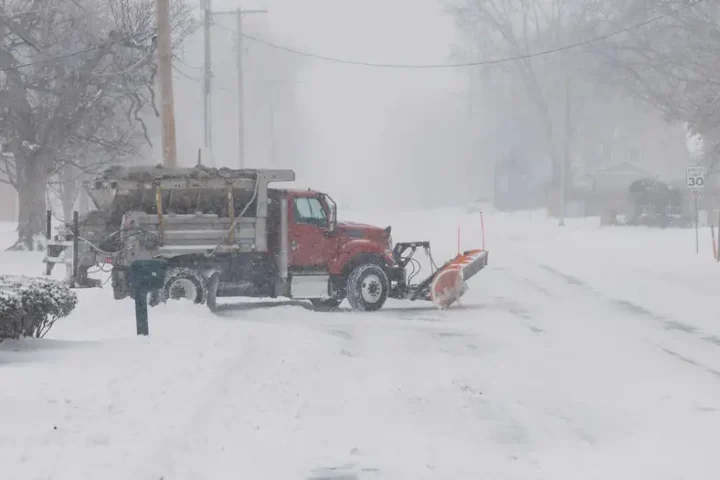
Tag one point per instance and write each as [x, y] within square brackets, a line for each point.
[320, 245]
[319, 242]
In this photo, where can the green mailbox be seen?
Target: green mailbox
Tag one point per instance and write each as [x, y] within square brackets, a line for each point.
[144, 277]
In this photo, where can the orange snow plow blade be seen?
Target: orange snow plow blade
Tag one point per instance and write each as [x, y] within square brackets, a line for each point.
[448, 283]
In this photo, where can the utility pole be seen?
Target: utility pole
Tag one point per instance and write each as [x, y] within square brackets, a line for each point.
[207, 74]
[273, 147]
[471, 92]
[566, 154]
[240, 91]
[470, 167]
[167, 114]
[240, 79]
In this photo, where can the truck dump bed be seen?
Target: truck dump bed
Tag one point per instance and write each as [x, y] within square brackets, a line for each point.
[189, 210]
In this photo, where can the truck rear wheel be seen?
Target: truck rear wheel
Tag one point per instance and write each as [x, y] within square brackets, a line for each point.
[367, 288]
[118, 280]
[212, 288]
[184, 283]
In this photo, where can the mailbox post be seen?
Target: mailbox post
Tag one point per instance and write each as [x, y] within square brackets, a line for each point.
[144, 277]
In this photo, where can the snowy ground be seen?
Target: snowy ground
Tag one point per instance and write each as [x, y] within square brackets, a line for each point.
[580, 353]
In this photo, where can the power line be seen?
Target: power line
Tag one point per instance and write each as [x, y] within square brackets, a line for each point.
[26, 12]
[58, 57]
[477, 63]
[391, 65]
[79, 5]
[80, 52]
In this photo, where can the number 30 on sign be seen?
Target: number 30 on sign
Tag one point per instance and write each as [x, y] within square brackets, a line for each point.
[695, 177]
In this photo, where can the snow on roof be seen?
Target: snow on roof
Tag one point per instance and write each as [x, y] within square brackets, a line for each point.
[622, 168]
[694, 143]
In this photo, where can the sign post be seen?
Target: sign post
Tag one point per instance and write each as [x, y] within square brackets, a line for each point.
[695, 176]
[697, 221]
[695, 179]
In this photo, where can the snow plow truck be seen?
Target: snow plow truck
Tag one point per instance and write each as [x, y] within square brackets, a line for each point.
[226, 233]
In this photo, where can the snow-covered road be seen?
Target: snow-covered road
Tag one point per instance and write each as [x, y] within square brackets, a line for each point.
[580, 353]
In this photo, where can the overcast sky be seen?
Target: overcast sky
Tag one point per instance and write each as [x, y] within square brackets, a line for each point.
[357, 115]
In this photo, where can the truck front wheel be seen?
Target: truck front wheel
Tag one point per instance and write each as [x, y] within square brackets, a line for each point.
[367, 288]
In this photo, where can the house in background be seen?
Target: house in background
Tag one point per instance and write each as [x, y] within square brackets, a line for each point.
[607, 188]
[593, 193]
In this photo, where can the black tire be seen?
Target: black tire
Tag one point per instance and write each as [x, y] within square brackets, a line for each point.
[119, 293]
[367, 288]
[212, 288]
[118, 281]
[176, 281]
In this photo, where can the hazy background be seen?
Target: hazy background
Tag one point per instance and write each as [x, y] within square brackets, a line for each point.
[357, 132]
[377, 136]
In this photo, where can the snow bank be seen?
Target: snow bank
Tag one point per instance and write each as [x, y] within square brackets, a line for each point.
[560, 364]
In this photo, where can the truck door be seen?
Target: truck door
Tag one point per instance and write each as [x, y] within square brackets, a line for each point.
[310, 245]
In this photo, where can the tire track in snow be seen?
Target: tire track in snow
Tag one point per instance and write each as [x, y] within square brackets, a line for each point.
[402, 380]
[538, 302]
[692, 362]
[572, 280]
[236, 406]
[635, 309]
[521, 313]
[638, 311]
[667, 322]
[560, 306]
[450, 341]
[523, 266]
[179, 443]
[506, 425]
[512, 306]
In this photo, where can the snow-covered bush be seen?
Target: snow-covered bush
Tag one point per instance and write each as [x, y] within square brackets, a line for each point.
[29, 307]
[10, 309]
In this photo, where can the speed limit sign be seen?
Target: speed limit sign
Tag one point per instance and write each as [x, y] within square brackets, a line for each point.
[695, 177]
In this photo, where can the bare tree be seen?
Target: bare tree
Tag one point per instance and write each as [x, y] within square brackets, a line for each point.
[670, 60]
[75, 78]
[614, 53]
[518, 28]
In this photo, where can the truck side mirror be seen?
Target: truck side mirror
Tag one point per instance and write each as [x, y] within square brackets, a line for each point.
[332, 210]
[332, 223]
